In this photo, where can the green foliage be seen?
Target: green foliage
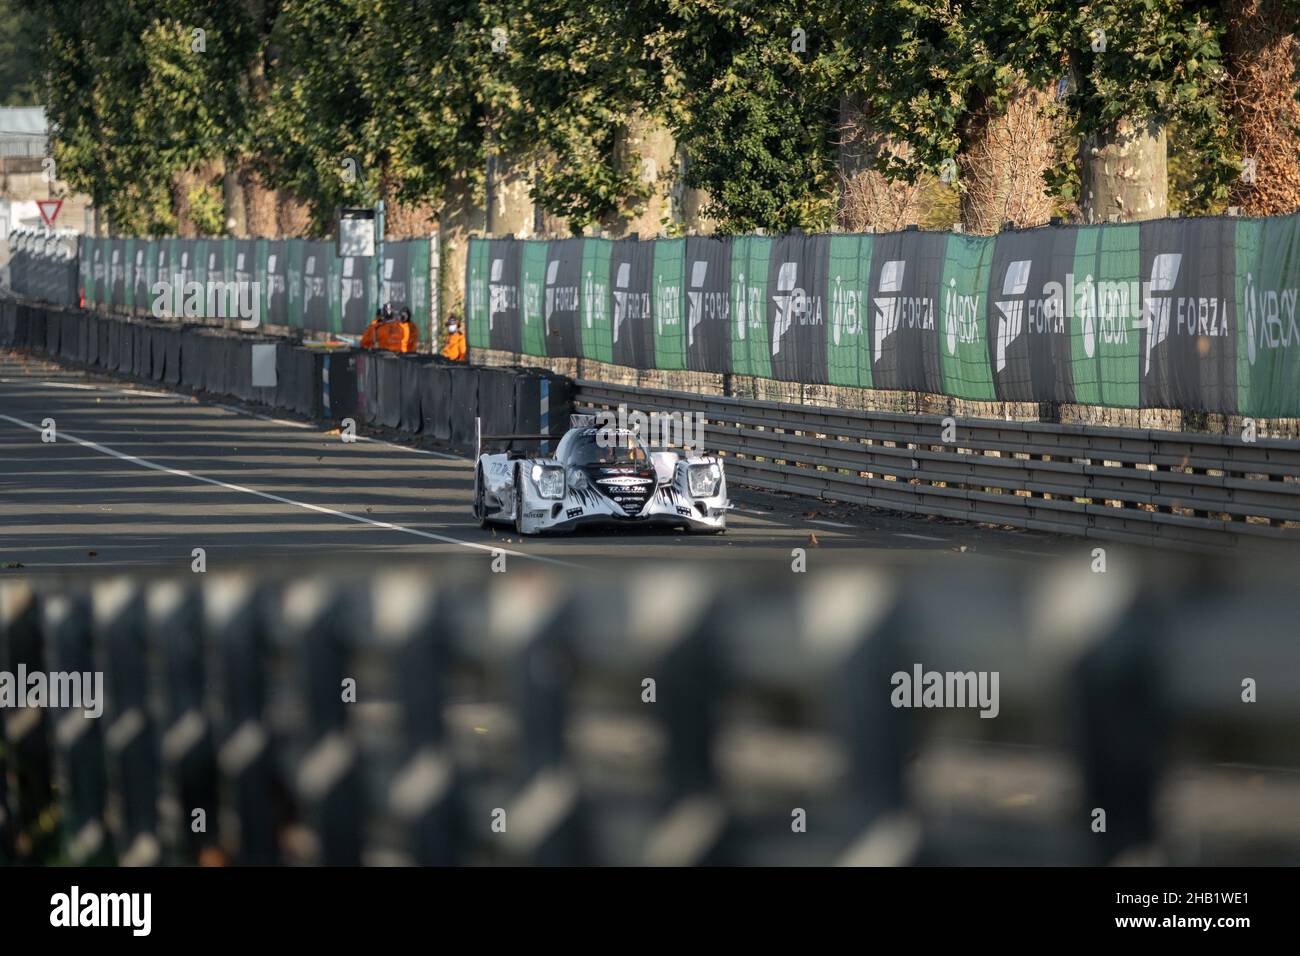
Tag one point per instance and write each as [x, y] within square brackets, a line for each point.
[418, 94]
[19, 36]
[1162, 59]
[586, 68]
[753, 103]
[926, 66]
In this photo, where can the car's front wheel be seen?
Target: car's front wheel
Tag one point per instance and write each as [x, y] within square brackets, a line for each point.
[519, 502]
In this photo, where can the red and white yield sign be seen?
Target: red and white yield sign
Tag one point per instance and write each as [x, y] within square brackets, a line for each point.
[49, 209]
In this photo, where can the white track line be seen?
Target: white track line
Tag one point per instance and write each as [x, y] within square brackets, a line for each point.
[919, 537]
[136, 393]
[320, 509]
[829, 524]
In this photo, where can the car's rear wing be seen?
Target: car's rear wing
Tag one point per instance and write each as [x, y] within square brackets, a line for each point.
[481, 441]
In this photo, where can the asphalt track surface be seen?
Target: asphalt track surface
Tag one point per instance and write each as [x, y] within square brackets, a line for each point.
[138, 476]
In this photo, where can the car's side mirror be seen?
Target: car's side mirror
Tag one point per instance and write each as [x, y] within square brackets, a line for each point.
[665, 463]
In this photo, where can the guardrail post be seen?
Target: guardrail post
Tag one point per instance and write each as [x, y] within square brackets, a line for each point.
[66, 620]
[29, 807]
[328, 779]
[1120, 732]
[133, 764]
[174, 627]
[543, 818]
[247, 773]
[408, 619]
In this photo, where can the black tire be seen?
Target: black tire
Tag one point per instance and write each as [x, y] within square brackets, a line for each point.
[480, 503]
[519, 502]
[706, 530]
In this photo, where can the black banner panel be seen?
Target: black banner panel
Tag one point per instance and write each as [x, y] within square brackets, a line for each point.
[708, 304]
[276, 293]
[503, 295]
[631, 276]
[560, 298]
[1026, 318]
[903, 326]
[1188, 340]
[315, 285]
[796, 308]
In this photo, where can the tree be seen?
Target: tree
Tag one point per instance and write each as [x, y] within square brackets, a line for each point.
[963, 87]
[19, 41]
[1135, 68]
[1262, 56]
[753, 104]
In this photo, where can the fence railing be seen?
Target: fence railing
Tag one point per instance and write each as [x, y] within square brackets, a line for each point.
[432, 717]
[1137, 485]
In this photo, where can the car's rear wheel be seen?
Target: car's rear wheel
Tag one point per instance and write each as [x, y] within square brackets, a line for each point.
[480, 500]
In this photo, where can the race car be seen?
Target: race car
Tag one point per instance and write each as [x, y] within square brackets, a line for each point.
[597, 476]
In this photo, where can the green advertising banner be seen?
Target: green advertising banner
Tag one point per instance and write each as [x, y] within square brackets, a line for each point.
[667, 303]
[1268, 336]
[750, 342]
[532, 282]
[848, 292]
[963, 303]
[1105, 292]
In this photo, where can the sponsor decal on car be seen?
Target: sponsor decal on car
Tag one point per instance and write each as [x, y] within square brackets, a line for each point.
[573, 513]
[684, 512]
[534, 514]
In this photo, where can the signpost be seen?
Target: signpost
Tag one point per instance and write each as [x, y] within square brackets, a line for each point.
[361, 233]
[49, 209]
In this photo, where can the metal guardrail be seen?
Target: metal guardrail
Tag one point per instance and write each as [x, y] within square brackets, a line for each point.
[1166, 489]
[509, 720]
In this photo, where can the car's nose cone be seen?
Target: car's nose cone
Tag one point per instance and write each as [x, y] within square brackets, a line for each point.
[629, 487]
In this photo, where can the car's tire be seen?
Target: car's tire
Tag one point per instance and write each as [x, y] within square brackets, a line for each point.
[519, 502]
[480, 502]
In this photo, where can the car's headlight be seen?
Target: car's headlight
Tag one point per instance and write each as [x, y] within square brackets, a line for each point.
[549, 481]
[703, 480]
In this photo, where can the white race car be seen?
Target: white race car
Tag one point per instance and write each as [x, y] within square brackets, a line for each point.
[597, 476]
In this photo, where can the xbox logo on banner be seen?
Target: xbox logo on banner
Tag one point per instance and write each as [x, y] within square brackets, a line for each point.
[1011, 323]
[593, 300]
[749, 307]
[1155, 312]
[789, 300]
[1087, 316]
[961, 318]
[1270, 319]
[846, 308]
[891, 280]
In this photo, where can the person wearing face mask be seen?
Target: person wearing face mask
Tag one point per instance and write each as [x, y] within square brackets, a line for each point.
[455, 347]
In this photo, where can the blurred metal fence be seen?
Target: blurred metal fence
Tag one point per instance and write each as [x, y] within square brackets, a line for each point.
[510, 721]
[1142, 486]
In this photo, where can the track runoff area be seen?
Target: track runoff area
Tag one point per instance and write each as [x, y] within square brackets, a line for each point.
[96, 472]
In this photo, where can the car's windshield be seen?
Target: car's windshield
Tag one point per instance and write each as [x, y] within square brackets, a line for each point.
[608, 447]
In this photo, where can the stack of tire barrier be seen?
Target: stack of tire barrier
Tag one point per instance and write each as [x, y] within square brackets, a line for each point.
[430, 396]
[752, 718]
[44, 268]
[414, 394]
